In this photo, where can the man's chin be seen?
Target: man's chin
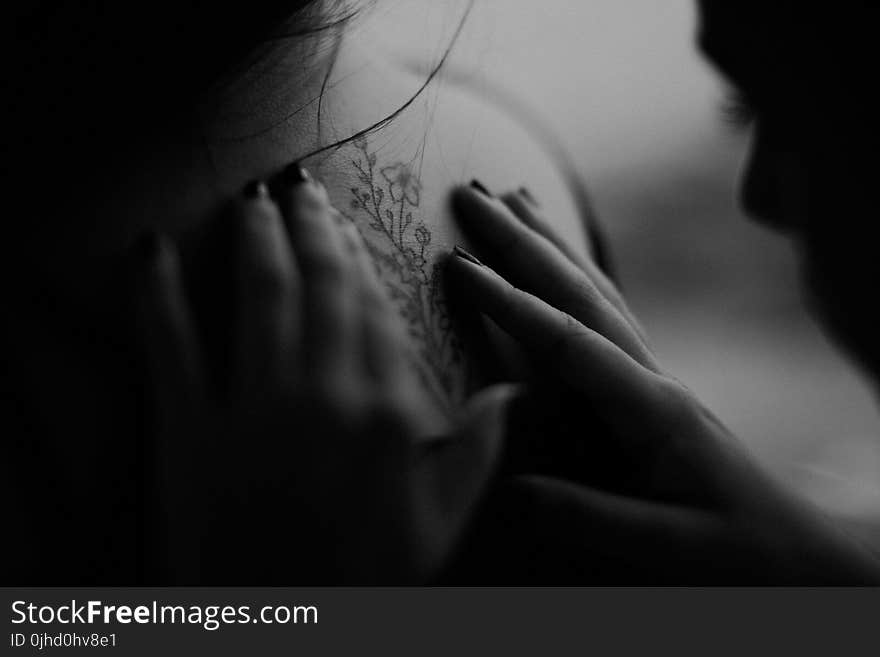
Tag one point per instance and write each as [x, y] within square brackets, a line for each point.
[849, 330]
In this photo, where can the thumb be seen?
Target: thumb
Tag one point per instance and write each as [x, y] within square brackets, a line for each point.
[461, 466]
[485, 416]
[452, 475]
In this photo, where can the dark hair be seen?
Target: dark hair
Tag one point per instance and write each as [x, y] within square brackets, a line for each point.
[828, 51]
[77, 73]
[155, 53]
[81, 72]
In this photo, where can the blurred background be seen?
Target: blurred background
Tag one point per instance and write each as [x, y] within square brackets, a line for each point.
[622, 83]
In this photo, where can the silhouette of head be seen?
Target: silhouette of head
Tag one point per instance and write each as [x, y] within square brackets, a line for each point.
[806, 72]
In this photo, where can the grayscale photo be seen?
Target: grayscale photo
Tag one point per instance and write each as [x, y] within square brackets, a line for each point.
[458, 293]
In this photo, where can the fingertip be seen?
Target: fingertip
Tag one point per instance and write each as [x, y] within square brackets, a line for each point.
[487, 218]
[459, 252]
[528, 196]
[154, 256]
[515, 196]
[254, 208]
[459, 195]
[302, 198]
[526, 213]
[480, 187]
[469, 269]
[165, 324]
[158, 281]
[255, 189]
[482, 287]
[465, 197]
[298, 181]
[296, 174]
[468, 208]
[264, 267]
[462, 267]
[255, 213]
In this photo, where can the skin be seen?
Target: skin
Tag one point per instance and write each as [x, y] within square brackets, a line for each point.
[696, 508]
[250, 483]
[74, 363]
[702, 510]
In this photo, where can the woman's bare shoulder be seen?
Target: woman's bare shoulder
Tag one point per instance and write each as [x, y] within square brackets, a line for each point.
[450, 134]
[394, 185]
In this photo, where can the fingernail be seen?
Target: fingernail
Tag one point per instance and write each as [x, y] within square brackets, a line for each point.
[146, 247]
[480, 187]
[461, 253]
[255, 189]
[296, 174]
[529, 196]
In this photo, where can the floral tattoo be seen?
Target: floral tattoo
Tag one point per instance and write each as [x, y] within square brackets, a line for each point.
[389, 196]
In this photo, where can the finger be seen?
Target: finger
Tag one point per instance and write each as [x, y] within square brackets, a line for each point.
[529, 197]
[588, 361]
[329, 285]
[451, 476]
[660, 539]
[166, 323]
[383, 339]
[179, 385]
[526, 210]
[462, 466]
[523, 204]
[535, 264]
[596, 242]
[358, 251]
[268, 292]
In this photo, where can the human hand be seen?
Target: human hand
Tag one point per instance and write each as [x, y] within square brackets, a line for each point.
[701, 509]
[307, 459]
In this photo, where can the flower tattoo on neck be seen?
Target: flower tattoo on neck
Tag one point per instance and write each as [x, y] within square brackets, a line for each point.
[402, 183]
[400, 244]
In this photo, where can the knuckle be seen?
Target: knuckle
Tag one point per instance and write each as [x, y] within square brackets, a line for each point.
[570, 333]
[675, 402]
[583, 291]
[581, 296]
